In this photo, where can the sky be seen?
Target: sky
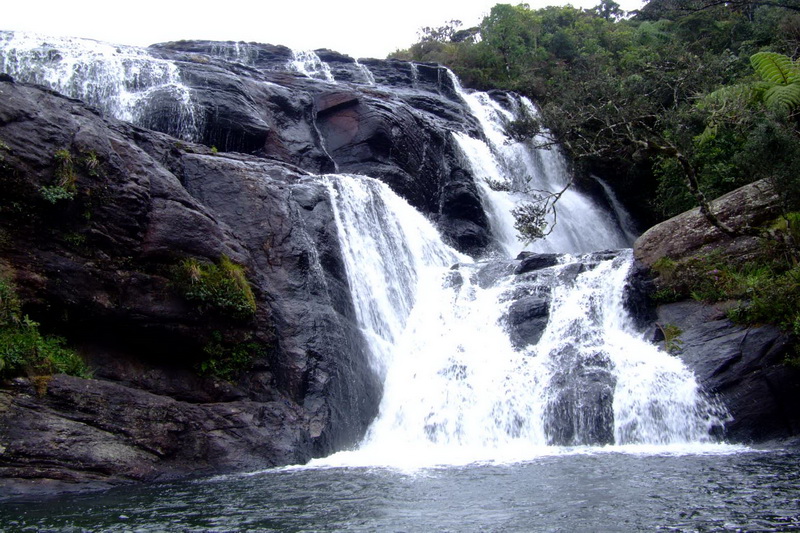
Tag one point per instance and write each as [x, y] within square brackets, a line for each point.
[357, 28]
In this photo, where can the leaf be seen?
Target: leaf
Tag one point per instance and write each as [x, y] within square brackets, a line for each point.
[783, 76]
[783, 97]
[775, 68]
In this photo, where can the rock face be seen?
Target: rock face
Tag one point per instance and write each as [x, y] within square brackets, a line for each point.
[98, 268]
[744, 367]
[392, 121]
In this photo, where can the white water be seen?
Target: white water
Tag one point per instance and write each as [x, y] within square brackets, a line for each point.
[118, 80]
[309, 64]
[626, 223]
[581, 226]
[238, 52]
[369, 78]
[455, 389]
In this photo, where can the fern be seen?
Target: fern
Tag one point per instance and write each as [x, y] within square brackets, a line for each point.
[775, 68]
[783, 96]
[783, 76]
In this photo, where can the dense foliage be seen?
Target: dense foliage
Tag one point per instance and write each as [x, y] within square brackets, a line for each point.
[643, 99]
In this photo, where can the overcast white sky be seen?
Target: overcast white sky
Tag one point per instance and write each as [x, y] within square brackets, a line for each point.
[355, 27]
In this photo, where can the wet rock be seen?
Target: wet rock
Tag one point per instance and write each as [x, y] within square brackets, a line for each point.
[75, 430]
[745, 368]
[527, 319]
[530, 261]
[581, 411]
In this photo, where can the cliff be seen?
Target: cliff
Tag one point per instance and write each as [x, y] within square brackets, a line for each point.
[101, 265]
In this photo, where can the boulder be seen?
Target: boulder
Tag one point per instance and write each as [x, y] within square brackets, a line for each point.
[527, 319]
[690, 233]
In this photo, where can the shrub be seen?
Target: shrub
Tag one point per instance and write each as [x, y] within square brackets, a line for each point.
[55, 193]
[24, 350]
[66, 178]
[220, 287]
[767, 288]
[225, 360]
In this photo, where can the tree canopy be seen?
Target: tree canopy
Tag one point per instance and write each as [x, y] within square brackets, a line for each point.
[700, 86]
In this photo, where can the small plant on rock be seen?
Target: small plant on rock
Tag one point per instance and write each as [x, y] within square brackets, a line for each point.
[24, 350]
[66, 178]
[225, 360]
[220, 287]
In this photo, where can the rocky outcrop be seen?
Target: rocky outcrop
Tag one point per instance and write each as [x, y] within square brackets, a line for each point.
[690, 233]
[391, 120]
[745, 368]
[67, 431]
[99, 268]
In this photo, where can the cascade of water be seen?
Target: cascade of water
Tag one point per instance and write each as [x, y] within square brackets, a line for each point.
[369, 78]
[239, 52]
[612, 384]
[625, 221]
[414, 74]
[521, 169]
[388, 247]
[456, 390]
[119, 80]
[309, 64]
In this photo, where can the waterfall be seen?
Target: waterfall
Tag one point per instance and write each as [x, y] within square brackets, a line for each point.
[369, 78]
[309, 64]
[389, 250]
[456, 390]
[460, 383]
[238, 52]
[121, 81]
[523, 167]
[626, 223]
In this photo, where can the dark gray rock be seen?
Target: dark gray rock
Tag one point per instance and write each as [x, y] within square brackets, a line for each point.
[527, 319]
[74, 431]
[744, 367]
[530, 261]
[97, 269]
[398, 131]
[581, 411]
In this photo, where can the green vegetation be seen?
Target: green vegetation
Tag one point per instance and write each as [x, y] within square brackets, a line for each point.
[91, 162]
[220, 287]
[765, 289]
[682, 100]
[66, 167]
[672, 342]
[677, 103]
[226, 360]
[65, 176]
[24, 350]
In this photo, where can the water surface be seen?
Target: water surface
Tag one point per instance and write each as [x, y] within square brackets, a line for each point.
[721, 488]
